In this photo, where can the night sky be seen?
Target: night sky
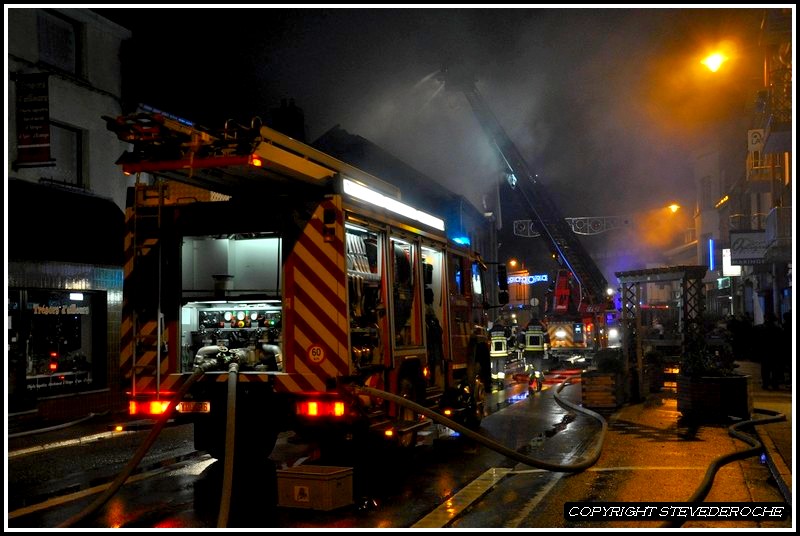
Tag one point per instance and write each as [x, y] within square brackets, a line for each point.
[606, 105]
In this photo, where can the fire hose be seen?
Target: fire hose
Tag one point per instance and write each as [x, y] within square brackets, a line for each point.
[575, 467]
[756, 447]
[230, 434]
[702, 491]
[223, 357]
[137, 457]
[230, 359]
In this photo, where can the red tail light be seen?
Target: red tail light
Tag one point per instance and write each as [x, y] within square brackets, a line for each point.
[320, 408]
[147, 407]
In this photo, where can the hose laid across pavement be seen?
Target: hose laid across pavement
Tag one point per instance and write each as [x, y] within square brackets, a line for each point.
[756, 447]
[57, 426]
[502, 449]
[137, 457]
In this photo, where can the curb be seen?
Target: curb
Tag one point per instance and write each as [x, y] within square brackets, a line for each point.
[780, 472]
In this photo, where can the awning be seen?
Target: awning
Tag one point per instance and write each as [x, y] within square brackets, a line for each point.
[50, 223]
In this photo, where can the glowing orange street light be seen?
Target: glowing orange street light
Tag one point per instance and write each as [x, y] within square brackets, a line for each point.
[674, 207]
[513, 263]
[714, 61]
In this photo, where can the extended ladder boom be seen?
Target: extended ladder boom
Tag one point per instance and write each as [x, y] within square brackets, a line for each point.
[548, 218]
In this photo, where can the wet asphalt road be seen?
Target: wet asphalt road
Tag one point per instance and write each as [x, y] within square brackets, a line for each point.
[394, 492]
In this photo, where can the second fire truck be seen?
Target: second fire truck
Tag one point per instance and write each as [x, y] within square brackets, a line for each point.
[578, 308]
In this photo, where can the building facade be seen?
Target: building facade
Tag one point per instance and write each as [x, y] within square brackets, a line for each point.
[743, 215]
[755, 213]
[64, 198]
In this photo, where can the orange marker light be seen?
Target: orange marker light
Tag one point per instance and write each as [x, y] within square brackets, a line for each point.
[338, 409]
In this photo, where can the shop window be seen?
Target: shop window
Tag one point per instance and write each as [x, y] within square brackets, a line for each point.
[59, 340]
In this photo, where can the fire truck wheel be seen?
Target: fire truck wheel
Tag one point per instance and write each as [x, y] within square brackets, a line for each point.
[406, 390]
[479, 395]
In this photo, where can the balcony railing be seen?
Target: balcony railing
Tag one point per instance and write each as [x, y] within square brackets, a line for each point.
[747, 222]
[774, 109]
[779, 227]
[760, 169]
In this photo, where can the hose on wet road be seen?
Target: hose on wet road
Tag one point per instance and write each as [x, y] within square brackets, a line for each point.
[572, 467]
[126, 472]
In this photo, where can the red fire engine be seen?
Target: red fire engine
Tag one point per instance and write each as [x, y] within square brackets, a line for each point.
[248, 246]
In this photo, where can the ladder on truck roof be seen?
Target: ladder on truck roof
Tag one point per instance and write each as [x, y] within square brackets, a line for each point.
[549, 220]
[225, 162]
[237, 160]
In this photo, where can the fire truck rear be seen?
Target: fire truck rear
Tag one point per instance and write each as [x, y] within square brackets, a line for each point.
[248, 246]
[575, 330]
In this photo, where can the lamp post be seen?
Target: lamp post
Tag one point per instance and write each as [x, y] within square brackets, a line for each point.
[713, 223]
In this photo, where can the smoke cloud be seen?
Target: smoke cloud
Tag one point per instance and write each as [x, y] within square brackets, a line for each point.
[606, 105]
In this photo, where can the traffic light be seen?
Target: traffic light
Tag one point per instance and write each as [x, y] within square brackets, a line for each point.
[53, 361]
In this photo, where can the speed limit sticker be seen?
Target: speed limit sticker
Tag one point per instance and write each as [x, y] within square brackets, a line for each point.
[316, 353]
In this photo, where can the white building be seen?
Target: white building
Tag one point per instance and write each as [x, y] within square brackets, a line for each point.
[64, 203]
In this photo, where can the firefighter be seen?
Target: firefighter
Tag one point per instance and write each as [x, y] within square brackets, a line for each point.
[498, 342]
[536, 343]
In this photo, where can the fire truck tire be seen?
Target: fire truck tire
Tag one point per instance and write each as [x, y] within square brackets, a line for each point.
[478, 406]
[406, 389]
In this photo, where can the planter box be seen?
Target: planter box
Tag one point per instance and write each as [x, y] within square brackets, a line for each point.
[602, 390]
[713, 399]
[316, 487]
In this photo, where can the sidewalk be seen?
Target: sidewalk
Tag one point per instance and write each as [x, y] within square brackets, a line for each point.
[777, 437]
[646, 435]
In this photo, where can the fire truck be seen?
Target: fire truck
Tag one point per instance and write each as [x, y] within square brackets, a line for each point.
[578, 307]
[245, 245]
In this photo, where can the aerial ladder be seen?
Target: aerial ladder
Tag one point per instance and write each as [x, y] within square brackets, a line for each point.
[548, 220]
[575, 314]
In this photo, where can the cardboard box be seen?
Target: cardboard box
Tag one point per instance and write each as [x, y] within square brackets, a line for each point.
[317, 487]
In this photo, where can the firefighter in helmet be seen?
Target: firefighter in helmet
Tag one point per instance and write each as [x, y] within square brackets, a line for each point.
[536, 343]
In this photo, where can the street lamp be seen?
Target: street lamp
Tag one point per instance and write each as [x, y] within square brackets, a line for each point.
[714, 61]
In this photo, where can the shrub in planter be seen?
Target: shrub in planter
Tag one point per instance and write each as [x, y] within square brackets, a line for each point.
[609, 360]
[709, 389]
